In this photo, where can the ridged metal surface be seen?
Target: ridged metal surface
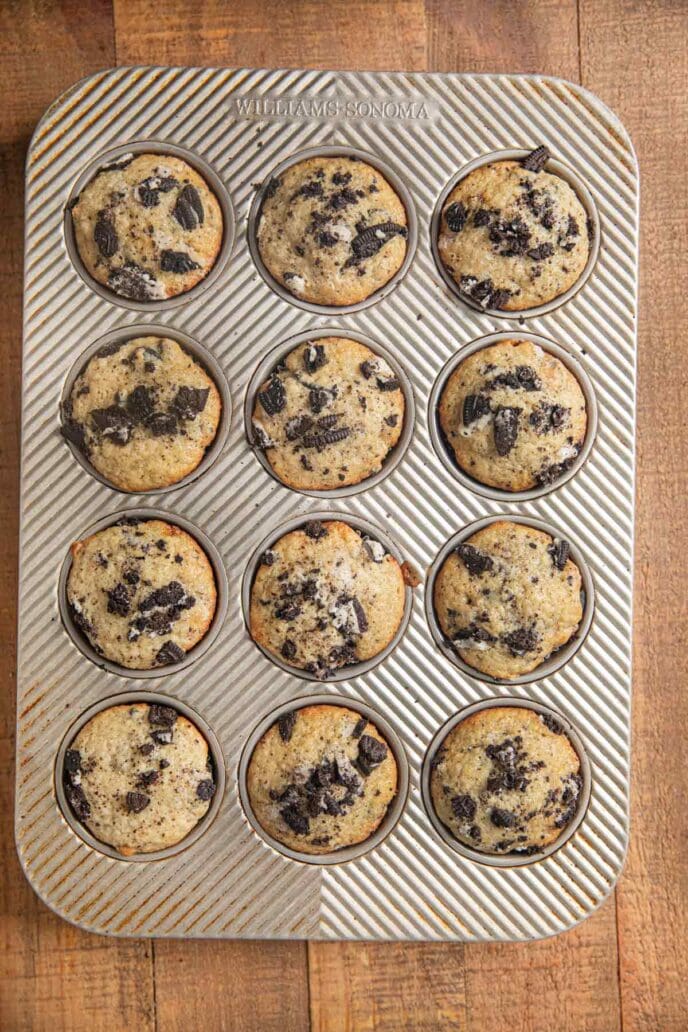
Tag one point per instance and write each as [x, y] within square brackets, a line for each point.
[230, 883]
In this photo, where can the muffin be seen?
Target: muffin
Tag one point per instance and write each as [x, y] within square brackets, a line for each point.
[329, 415]
[139, 777]
[513, 236]
[326, 596]
[321, 778]
[506, 780]
[507, 597]
[331, 230]
[142, 592]
[148, 227]
[143, 412]
[514, 416]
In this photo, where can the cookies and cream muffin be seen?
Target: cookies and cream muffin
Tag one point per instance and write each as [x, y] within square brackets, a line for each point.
[514, 416]
[512, 235]
[139, 777]
[507, 597]
[142, 592]
[321, 778]
[331, 230]
[506, 780]
[144, 412]
[329, 415]
[148, 227]
[326, 596]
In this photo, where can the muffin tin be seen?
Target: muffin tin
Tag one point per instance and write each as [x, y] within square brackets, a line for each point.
[225, 880]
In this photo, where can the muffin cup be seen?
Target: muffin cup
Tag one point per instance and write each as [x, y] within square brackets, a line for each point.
[441, 445]
[394, 811]
[345, 673]
[274, 357]
[557, 168]
[556, 659]
[508, 859]
[214, 182]
[204, 359]
[218, 769]
[395, 182]
[221, 586]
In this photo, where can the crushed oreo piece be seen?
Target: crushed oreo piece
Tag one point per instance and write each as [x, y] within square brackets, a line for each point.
[177, 261]
[188, 210]
[132, 281]
[542, 251]
[464, 807]
[552, 724]
[149, 189]
[326, 438]
[105, 235]
[169, 653]
[314, 357]
[475, 406]
[546, 418]
[286, 724]
[75, 433]
[118, 600]
[78, 801]
[502, 818]
[475, 561]
[359, 727]
[511, 237]
[390, 384]
[536, 160]
[559, 552]
[162, 716]
[484, 292]
[147, 778]
[521, 641]
[505, 428]
[72, 761]
[455, 216]
[369, 241]
[315, 530]
[189, 401]
[161, 424]
[205, 789]
[274, 397]
[288, 650]
[136, 802]
[523, 377]
[371, 753]
[113, 422]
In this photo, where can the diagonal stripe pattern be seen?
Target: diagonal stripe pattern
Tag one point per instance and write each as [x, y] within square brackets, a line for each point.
[230, 883]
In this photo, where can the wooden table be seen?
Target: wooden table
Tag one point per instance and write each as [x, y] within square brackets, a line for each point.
[626, 967]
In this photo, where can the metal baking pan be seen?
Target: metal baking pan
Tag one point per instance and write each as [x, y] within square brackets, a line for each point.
[238, 126]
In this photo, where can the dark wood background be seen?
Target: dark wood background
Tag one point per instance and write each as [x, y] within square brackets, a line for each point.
[626, 967]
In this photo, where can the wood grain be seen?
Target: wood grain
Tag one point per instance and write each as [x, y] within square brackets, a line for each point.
[642, 75]
[633, 53]
[52, 976]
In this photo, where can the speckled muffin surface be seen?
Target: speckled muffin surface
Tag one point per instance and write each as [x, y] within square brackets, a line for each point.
[143, 412]
[326, 596]
[506, 780]
[507, 597]
[332, 230]
[142, 592]
[514, 416]
[512, 235]
[321, 778]
[148, 227]
[330, 415]
[139, 777]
